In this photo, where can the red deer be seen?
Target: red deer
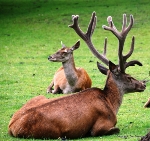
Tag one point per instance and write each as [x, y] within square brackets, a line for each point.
[68, 79]
[91, 112]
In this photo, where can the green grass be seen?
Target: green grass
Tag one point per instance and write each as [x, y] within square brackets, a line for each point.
[31, 30]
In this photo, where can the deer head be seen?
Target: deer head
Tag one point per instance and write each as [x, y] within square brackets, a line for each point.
[124, 82]
[64, 53]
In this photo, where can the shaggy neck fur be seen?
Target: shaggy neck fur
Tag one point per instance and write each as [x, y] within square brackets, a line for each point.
[113, 92]
[70, 71]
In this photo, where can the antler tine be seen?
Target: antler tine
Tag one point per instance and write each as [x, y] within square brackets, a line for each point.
[112, 28]
[125, 29]
[76, 27]
[87, 36]
[133, 62]
[124, 22]
[62, 44]
[131, 49]
[92, 25]
[121, 37]
[105, 47]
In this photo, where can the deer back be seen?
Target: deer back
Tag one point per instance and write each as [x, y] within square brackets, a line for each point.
[70, 116]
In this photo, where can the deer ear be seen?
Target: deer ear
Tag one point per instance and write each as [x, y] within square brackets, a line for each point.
[62, 44]
[76, 46]
[102, 69]
[112, 66]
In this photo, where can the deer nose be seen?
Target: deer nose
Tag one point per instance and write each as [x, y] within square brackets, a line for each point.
[49, 57]
[144, 83]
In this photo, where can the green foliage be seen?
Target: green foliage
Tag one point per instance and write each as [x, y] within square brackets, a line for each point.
[31, 30]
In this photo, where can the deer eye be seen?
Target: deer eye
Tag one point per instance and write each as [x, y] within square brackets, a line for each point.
[64, 54]
[129, 78]
[57, 53]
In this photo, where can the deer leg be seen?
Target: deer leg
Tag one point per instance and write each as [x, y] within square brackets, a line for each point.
[104, 127]
[49, 89]
[147, 104]
[56, 90]
[113, 130]
[105, 130]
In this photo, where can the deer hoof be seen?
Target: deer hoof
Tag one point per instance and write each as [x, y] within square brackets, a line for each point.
[147, 104]
[49, 91]
[113, 130]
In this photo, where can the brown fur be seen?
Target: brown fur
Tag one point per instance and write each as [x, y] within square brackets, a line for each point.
[68, 79]
[72, 116]
[60, 81]
[91, 112]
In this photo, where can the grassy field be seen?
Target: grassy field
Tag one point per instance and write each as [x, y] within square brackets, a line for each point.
[31, 30]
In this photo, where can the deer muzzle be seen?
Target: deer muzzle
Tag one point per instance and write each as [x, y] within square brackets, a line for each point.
[50, 58]
[142, 86]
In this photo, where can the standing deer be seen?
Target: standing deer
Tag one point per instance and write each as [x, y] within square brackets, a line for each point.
[91, 112]
[68, 79]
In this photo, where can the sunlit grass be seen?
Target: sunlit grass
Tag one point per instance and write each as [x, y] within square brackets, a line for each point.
[30, 30]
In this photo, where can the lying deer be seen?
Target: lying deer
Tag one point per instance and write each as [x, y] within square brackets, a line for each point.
[68, 79]
[91, 112]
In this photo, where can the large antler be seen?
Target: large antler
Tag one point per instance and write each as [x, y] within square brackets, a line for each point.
[121, 37]
[87, 36]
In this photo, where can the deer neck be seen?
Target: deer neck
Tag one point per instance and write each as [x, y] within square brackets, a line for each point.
[113, 93]
[70, 71]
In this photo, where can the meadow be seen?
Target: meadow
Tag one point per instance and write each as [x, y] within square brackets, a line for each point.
[31, 30]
